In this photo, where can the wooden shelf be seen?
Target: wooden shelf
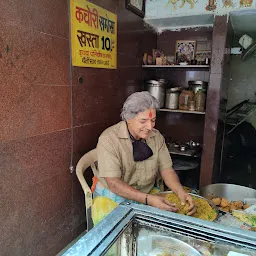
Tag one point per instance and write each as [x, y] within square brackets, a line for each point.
[176, 66]
[181, 111]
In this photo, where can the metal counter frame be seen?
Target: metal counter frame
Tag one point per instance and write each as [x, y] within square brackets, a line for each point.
[101, 237]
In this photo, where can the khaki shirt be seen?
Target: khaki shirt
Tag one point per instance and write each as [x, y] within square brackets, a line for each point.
[115, 158]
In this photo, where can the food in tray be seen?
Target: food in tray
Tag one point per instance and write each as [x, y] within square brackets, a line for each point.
[224, 203]
[248, 218]
[204, 210]
[216, 200]
[187, 189]
[228, 206]
[168, 254]
[165, 252]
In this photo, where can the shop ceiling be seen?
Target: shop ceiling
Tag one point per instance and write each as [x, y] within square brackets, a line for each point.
[243, 21]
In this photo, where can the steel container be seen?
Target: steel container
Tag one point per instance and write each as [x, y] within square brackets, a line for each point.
[231, 192]
[198, 85]
[172, 98]
[157, 89]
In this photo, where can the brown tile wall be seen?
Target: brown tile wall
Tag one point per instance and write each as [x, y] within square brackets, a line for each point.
[182, 127]
[42, 204]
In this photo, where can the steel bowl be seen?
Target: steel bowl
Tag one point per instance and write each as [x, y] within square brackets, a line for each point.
[231, 192]
[210, 202]
[176, 247]
[183, 148]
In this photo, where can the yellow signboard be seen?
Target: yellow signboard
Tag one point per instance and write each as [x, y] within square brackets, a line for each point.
[94, 40]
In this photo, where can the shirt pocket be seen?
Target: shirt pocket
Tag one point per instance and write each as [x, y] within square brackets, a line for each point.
[151, 163]
[150, 171]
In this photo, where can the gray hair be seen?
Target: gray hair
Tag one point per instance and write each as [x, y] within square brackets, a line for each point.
[138, 102]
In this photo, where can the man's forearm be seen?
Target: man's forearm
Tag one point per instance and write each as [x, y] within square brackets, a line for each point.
[171, 180]
[121, 188]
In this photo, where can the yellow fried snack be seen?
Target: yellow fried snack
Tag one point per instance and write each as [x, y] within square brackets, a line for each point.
[224, 202]
[238, 204]
[203, 209]
[216, 200]
[227, 206]
[233, 206]
[226, 209]
[245, 206]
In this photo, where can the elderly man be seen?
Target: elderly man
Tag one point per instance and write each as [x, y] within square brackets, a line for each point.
[132, 153]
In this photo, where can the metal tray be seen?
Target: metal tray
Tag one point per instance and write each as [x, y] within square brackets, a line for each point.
[231, 192]
[210, 202]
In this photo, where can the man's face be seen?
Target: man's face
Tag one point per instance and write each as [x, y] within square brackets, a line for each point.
[141, 126]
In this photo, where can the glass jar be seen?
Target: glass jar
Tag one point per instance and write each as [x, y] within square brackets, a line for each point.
[191, 106]
[185, 98]
[200, 98]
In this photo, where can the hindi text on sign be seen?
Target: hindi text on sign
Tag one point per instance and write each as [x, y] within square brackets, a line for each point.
[87, 16]
[106, 23]
[88, 38]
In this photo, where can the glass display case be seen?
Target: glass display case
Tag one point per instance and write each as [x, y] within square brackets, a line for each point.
[133, 229]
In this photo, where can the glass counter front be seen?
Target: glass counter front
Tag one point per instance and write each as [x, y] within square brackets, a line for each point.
[138, 230]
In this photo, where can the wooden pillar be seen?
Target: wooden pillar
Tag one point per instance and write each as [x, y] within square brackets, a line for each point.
[217, 84]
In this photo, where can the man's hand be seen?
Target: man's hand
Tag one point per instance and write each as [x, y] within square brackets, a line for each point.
[185, 197]
[171, 179]
[161, 203]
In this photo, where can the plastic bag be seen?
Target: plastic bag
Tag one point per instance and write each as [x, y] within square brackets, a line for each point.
[101, 207]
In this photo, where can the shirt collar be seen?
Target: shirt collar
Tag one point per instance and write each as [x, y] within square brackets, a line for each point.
[124, 134]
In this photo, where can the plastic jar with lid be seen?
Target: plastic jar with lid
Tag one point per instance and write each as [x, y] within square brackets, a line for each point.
[200, 98]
